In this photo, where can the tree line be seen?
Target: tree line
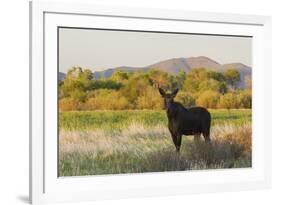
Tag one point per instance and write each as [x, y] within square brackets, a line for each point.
[139, 90]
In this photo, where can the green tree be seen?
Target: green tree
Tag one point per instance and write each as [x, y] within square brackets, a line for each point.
[180, 78]
[105, 84]
[120, 76]
[232, 77]
[216, 75]
[193, 80]
[77, 80]
[135, 87]
[200, 80]
[139, 90]
[209, 84]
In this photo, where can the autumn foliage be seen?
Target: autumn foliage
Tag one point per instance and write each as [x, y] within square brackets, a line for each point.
[80, 90]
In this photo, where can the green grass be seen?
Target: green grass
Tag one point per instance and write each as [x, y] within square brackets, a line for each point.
[91, 120]
[111, 142]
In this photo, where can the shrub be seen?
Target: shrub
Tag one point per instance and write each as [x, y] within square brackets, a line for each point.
[242, 137]
[229, 100]
[245, 99]
[138, 90]
[208, 99]
[106, 100]
[106, 84]
[185, 99]
[149, 100]
[69, 104]
[209, 84]
[135, 87]
[78, 95]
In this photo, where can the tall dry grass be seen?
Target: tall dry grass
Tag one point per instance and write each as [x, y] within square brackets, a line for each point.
[141, 148]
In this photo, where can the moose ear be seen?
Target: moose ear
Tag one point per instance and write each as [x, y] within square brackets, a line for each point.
[161, 91]
[174, 93]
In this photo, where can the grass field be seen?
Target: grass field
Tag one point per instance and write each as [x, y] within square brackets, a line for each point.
[111, 142]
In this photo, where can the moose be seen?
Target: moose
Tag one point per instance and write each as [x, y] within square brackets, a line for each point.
[185, 121]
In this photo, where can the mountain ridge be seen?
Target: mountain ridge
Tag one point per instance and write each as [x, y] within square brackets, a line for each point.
[175, 65]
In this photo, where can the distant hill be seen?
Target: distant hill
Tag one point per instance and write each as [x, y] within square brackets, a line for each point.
[175, 65]
[61, 76]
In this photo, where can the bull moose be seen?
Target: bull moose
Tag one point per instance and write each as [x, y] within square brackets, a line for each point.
[185, 121]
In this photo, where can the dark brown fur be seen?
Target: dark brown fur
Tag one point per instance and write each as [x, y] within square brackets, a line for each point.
[185, 121]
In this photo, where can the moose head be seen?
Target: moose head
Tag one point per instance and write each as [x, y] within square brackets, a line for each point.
[168, 97]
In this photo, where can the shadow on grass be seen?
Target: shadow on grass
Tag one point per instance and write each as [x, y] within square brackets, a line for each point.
[197, 156]
[193, 156]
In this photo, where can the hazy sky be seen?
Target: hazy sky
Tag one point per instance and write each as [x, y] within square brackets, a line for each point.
[99, 49]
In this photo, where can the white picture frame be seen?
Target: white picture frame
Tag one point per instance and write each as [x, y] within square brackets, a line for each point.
[46, 187]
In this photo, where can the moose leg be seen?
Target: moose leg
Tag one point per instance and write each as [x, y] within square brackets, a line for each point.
[210, 147]
[177, 142]
[178, 146]
[197, 138]
[174, 137]
[207, 137]
[206, 130]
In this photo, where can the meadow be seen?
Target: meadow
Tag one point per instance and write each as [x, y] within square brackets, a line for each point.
[137, 141]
